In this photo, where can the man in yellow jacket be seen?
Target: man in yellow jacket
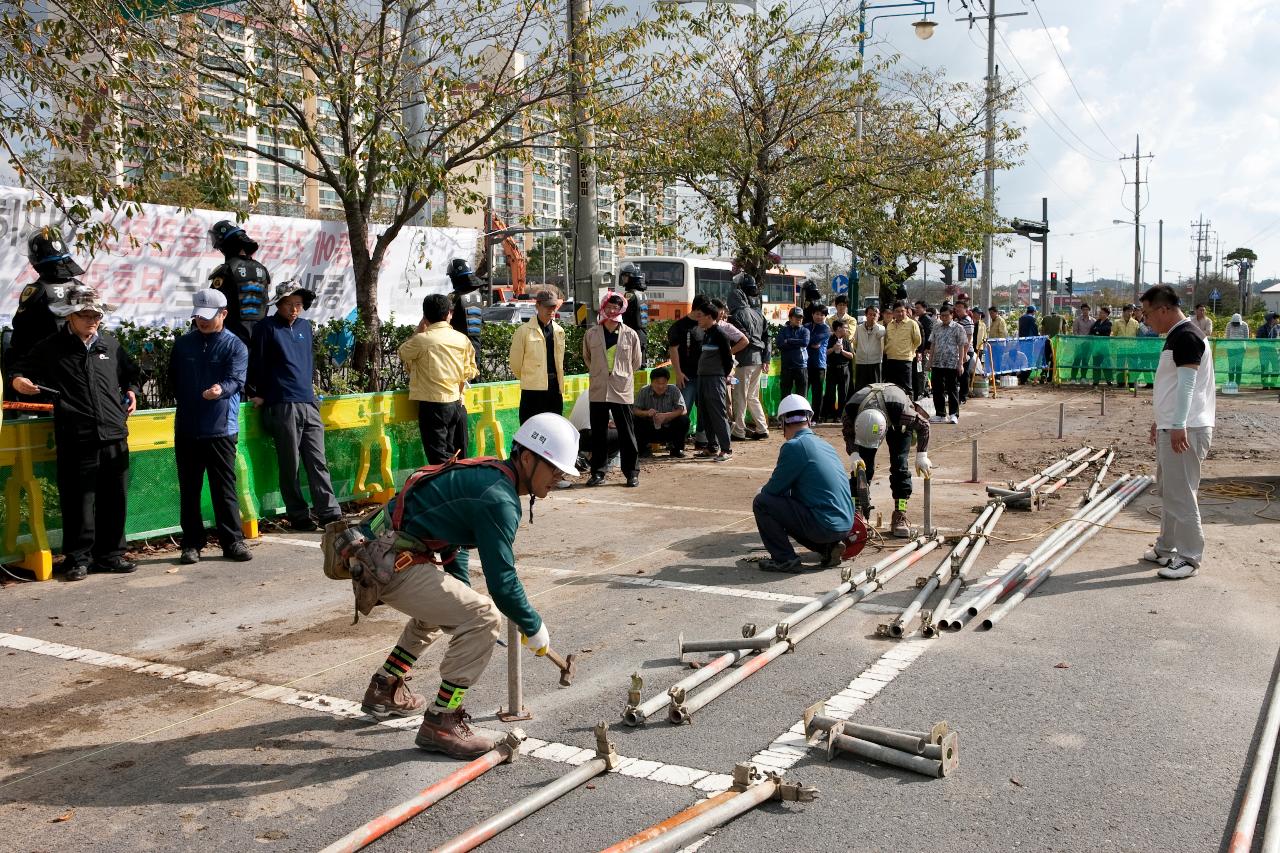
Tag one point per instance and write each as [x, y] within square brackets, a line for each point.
[537, 358]
[440, 362]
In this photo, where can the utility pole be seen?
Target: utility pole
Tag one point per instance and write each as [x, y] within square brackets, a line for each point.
[1044, 255]
[989, 172]
[586, 231]
[414, 114]
[1202, 241]
[1160, 254]
[1137, 159]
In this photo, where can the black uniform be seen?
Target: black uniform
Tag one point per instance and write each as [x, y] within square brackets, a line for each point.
[637, 317]
[91, 435]
[32, 323]
[466, 318]
[245, 283]
[903, 417]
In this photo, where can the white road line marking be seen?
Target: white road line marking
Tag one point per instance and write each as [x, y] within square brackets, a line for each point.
[676, 775]
[287, 540]
[672, 507]
[760, 595]
[789, 747]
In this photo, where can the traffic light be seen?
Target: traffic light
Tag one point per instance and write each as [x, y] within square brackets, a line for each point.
[1053, 282]
[946, 273]
[1069, 291]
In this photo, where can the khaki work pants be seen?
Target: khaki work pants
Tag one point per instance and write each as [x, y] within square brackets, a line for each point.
[436, 603]
[1180, 528]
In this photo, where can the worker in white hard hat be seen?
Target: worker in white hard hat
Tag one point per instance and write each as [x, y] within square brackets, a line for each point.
[806, 499]
[412, 555]
[884, 411]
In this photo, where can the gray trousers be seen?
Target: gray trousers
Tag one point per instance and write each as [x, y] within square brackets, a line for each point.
[713, 412]
[299, 436]
[1180, 528]
[781, 518]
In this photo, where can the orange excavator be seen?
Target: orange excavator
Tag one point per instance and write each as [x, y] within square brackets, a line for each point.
[516, 261]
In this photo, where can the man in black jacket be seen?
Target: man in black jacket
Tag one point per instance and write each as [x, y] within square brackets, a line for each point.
[95, 384]
[1101, 328]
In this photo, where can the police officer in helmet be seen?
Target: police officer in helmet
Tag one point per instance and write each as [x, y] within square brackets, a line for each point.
[466, 302]
[34, 320]
[245, 282]
[637, 314]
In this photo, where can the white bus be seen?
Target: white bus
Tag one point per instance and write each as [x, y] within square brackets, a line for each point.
[673, 282]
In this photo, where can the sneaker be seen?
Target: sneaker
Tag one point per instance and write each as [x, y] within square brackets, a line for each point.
[677, 453]
[77, 572]
[633, 481]
[190, 556]
[758, 436]
[938, 419]
[1178, 569]
[389, 696]
[723, 457]
[734, 436]
[564, 484]
[238, 551]
[117, 564]
[789, 567]
[953, 419]
[1154, 556]
[303, 524]
[596, 479]
[705, 453]
[448, 732]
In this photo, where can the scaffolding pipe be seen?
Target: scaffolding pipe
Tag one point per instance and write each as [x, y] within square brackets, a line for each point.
[670, 823]
[687, 832]
[635, 715]
[974, 462]
[1251, 802]
[515, 679]
[1099, 477]
[360, 838]
[892, 738]
[1062, 418]
[1060, 465]
[927, 486]
[1050, 544]
[902, 626]
[941, 612]
[1066, 478]
[606, 759]
[683, 707]
[754, 643]
[1031, 582]
[885, 755]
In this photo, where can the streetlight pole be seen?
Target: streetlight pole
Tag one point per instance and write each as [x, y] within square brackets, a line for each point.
[586, 232]
[924, 31]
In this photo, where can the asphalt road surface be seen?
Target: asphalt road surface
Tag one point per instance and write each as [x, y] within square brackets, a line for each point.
[1111, 711]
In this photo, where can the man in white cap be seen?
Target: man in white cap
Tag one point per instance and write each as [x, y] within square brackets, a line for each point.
[95, 385]
[807, 498]
[413, 556]
[280, 382]
[207, 373]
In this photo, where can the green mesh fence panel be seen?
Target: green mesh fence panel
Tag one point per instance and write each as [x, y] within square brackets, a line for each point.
[153, 508]
[1250, 364]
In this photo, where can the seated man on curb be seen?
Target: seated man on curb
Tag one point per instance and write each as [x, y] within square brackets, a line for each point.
[660, 414]
[806, 499]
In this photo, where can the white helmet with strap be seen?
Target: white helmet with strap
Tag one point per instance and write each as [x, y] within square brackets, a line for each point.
[552, 438]
[794, 409]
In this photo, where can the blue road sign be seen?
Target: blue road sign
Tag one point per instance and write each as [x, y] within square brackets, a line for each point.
[970, 270]
[1216, 295]
[840, 284]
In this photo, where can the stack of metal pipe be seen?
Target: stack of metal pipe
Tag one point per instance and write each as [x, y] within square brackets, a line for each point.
[1048, 480]
[772, 643]
[935, 753]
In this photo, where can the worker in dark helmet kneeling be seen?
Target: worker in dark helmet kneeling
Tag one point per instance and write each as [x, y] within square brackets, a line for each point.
[412, 556]
[879, 411]
[806, 499]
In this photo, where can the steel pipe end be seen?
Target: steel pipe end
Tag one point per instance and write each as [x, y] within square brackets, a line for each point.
[895, 630]
[680, 645]
[986, 624]
[633, 717]
[679, 715]
[930, 632]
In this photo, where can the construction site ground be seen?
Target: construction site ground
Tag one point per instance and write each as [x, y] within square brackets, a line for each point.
[1110, 711]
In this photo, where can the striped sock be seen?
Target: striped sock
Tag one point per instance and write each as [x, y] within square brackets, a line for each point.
[399, 662]
[449, 696]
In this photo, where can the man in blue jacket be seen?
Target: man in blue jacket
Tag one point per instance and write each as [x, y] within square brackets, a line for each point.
[207, 372]
[281, 367]
[807, 498]
[793, 343]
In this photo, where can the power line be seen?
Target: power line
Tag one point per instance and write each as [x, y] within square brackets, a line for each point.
[1098, 157]
[1074, 88]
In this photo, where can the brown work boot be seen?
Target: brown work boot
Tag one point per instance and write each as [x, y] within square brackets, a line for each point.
[448, 732]
[388, 696]
[898, 525]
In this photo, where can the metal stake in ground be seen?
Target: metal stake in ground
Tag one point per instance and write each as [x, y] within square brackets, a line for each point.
[606, 759]
[1062, 418]
[515, 688]
[504, 752]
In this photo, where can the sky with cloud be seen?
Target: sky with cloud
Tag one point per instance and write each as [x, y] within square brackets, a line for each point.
[1196, 80]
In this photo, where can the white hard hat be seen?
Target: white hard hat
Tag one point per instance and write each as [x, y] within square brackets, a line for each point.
[792, 406]
[553, 438]
[868, 429]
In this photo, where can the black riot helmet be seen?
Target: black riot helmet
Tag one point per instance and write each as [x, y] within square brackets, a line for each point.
[811, 291]
[630, 278]
[229, 238]
[747, 284]
[461, 277]
[50, 256]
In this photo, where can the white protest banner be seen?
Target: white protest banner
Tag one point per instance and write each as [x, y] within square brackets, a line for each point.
[161, 256]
